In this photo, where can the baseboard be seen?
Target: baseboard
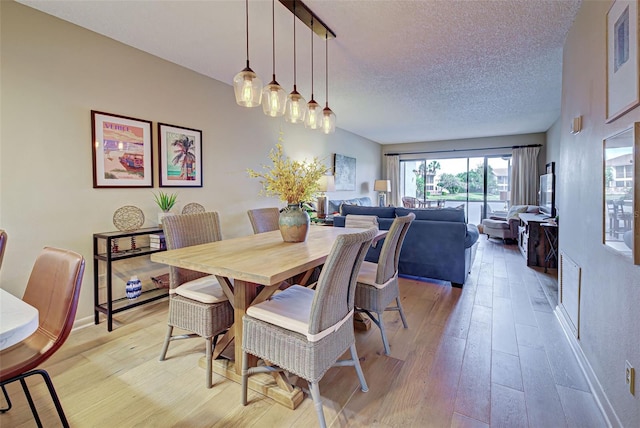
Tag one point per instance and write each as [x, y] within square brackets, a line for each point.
[79, 324]
[594, 384]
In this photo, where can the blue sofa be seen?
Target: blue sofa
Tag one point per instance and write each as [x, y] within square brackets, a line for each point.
[439, 244]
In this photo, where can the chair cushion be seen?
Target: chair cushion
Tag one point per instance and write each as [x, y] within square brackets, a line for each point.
[495, 224]
[290, 309]
[205, 290]
[515, 210]
[367, 275]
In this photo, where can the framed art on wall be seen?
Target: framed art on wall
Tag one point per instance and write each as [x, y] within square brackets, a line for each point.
[122, 155]
[623, 87]
[345, 172]
[621, 206]
[180, 153]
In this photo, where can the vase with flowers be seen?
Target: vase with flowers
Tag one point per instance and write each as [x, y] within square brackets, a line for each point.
[294, 182]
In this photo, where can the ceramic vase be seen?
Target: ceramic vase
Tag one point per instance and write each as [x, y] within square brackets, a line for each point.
[294, 223]
[134, 288]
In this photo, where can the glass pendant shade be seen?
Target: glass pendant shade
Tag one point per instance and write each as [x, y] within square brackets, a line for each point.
[274, 99]
[248, 88]
[328, 121]
[314, 115]
[296, 107]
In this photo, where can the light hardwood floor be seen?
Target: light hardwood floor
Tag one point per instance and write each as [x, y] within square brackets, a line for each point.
[490, 354]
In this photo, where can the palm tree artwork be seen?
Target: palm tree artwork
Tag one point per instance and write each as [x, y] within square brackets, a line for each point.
[184, 150]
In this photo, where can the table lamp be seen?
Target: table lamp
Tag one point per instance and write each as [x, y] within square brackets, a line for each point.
[382, 187]
[327, 183]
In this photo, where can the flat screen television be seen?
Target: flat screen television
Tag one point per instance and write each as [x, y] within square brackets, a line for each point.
[547, 195]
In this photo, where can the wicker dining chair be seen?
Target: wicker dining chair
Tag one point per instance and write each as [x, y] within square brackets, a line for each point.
[264, 219]
[305, 332]
[53, 289]
[378, 282]
[197, 302]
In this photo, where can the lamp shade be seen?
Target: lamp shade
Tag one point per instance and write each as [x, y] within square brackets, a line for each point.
[382, 186]
[327, 183]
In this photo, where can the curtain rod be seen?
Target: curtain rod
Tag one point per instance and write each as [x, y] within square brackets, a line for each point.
[462, 150]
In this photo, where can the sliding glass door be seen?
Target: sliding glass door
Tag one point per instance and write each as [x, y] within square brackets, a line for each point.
[479, 185]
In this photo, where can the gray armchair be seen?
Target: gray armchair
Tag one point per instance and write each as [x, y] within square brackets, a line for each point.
[505, 225]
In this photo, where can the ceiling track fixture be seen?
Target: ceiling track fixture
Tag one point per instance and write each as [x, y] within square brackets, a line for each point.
[314, 112]
[247, 86]
[274, 96]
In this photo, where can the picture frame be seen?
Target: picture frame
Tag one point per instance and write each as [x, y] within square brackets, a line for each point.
[121, 151]
[623, 88]
[179, 156]
[345, 172]
[621, 207]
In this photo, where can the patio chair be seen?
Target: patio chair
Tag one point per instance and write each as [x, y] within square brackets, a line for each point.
[305, 332]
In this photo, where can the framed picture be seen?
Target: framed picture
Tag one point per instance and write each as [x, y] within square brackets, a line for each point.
[180, 152]
[620, 203]
[345, 172]
[122, 155]
[623, 88]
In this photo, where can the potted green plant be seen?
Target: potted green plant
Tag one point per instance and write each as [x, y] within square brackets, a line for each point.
[165, 202]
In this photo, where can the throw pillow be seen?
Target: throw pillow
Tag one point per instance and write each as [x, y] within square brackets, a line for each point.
[515, 210]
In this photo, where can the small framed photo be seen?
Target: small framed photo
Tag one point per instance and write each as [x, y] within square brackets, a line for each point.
[623, 87]
[122, 155]
[180, 152]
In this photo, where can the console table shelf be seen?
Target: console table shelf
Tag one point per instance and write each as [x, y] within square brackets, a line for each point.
[107, 256]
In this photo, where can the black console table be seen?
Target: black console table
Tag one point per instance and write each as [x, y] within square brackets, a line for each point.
[109, 256]
[534, 245]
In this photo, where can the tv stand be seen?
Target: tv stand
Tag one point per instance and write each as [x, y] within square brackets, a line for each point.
[531, 240]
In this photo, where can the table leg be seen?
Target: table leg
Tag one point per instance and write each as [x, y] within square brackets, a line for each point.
[244, 294]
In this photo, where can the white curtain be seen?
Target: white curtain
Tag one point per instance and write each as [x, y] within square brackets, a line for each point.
[524, 176]
[393, 174]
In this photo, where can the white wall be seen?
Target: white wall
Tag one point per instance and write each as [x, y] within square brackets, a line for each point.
[54, 73]
[610, 294]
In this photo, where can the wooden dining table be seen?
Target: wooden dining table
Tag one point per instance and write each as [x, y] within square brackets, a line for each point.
[244, 264]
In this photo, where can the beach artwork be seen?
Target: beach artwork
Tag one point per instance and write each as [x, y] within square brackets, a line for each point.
[122, 151]
[180, 156]
[123, 147]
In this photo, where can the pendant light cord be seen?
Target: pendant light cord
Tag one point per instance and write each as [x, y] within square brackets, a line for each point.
[273, 35]
[312, 57]
[326, 68]
[294, 45]
[246, 8]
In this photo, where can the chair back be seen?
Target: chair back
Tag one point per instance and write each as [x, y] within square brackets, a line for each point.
[264, 219]
[192, 208]
[409, 202]
[53, 289]
[336, 286]
[186, 230]
[3, 244]
[390, 252]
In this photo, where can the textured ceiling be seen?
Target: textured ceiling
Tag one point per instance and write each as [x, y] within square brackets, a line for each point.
[399, 71]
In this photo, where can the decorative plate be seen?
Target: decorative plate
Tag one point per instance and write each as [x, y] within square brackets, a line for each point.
[128, 218]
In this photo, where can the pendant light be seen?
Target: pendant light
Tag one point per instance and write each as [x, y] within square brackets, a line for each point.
[246, 84]
[296, 107]
[314, 112]
[273, 95]
[328, 117]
